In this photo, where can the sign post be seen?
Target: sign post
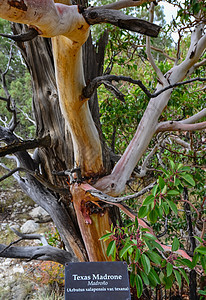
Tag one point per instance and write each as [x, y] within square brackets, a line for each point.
[97, 280]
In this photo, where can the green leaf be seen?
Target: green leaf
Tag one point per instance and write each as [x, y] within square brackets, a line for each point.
[154, 190]
[154, 276]
[125, 249]
[203, 262]
[201, 292]
[172, 164]
[137, 255]
[111, 248]
[199, 239]
[175, 244]
[182, 271]
[161, 182]
[169, 269]
[153, 216]
[187, 262]
[136, 223]
[180, 166]
[148, 200]
[144, 277]
[132, 279]
[201, 249]
[139, 285]
[157, 245]
[143, 211]
[149, 236]
[164, 190]
[173, 192]
[176, 181]
[184, 168]
[145, 263]
[106, 236]
[156, 258]
[178, 277]
[172, 206]
[188, 178]
[168, 282]
[166, 208]
[195, 259]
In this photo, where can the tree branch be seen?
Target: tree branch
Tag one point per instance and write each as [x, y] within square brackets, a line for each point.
[148, 49]
[24, 37]
[124, 3]
[37, 253]
[40, 178]
[13, 122]
[45, 252]
[29, 144]
[88, 90]
[201, 114]
[104, 197]
[101, 15]
[179, 126]
[157, 50]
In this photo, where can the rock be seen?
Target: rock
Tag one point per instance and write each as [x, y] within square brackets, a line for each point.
[38, 213]
[29, 227]
[18, 269]
[15, 227]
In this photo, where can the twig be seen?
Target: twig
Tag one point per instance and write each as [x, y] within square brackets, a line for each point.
[88, 91]
[37, 176]
[13, 122]
[24, 37]
[165, 229]
[156, 49]
[35, 236]
[186, 201]
[148, 50]
[12, 243]
[110, 199]
[125, 3]
[178, 48]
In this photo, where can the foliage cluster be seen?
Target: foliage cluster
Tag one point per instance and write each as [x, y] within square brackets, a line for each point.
[147, 261]
[47, 273]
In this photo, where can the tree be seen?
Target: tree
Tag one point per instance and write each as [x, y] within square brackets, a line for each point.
[69, 138]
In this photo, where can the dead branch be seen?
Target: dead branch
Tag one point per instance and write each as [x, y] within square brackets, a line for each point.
[37, 253]
[4, 99]
[45, 252]
[125, 3]
[25, 237]
[13, 122]
[161, 77]
[104, 197]
[157, 50]
[39, 177]
[96, 82]
[24, 37]
[101, 15]
[25, 145]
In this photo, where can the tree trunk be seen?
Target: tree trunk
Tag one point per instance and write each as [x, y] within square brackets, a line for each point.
[59, 156]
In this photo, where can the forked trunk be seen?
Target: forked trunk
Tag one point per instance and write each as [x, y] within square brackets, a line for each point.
[90, 221]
